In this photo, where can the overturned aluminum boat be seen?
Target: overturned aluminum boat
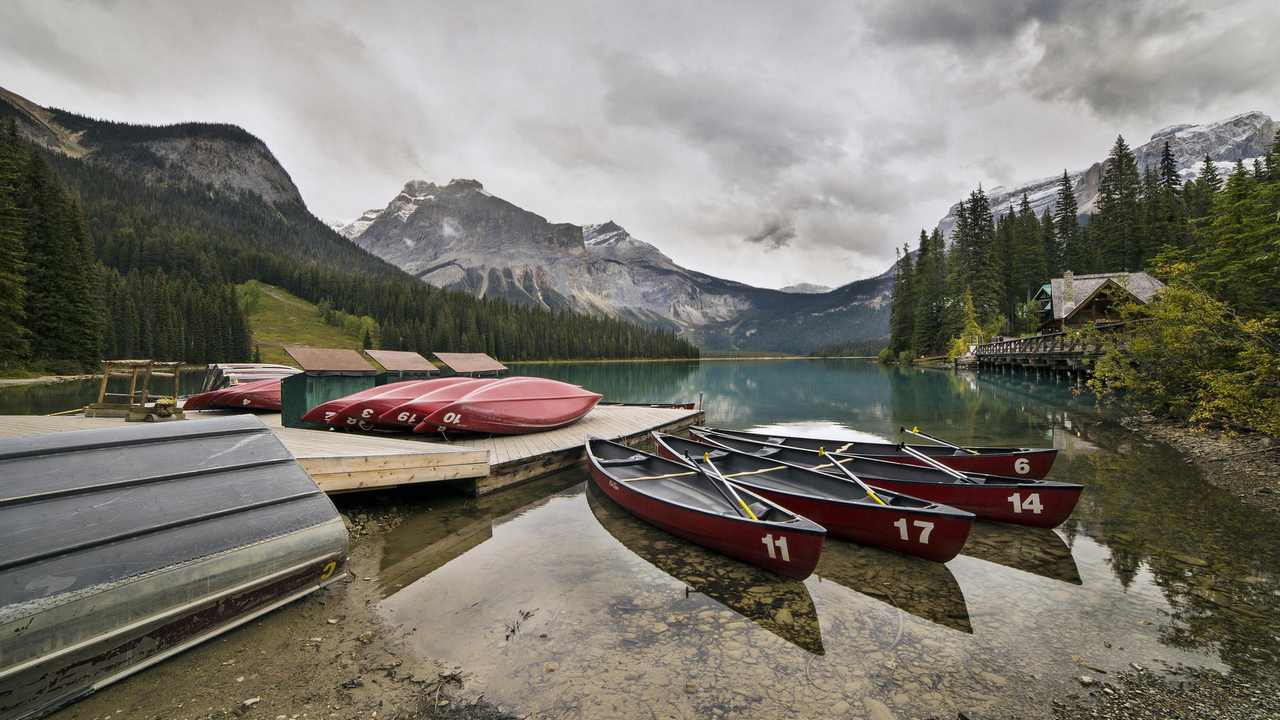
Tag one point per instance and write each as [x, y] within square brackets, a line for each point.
[128, 545]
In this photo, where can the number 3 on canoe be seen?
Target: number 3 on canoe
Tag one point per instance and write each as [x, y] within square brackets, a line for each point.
[776, 547]
[1031, 504]
[1022, 466]
[925, 529]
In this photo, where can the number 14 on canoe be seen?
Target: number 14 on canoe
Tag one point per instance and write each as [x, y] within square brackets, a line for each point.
[691, 504]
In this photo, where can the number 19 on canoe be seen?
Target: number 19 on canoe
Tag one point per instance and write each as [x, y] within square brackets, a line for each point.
[1030, 504]
[776, 547]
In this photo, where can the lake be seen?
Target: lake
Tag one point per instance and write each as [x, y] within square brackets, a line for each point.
[559, 603]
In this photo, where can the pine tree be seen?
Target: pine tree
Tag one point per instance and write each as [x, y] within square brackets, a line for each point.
[986, 266]
[14, 347]
[930, 288]
[1066, 227]
[902, 308]
[1118, 222]
[1207, 186]
[1049, 246]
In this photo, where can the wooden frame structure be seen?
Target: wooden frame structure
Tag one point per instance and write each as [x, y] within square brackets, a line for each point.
[135, 404]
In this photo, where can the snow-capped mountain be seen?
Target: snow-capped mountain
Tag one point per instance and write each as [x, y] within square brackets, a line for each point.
[1242, 137]
[461, 237]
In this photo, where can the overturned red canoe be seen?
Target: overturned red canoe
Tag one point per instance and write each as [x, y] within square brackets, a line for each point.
[513, 406]
[677, 498]
[410, 411]
[1038, 503]
[256, 395]
[1031, 463]
[902, 523]
[363, 408]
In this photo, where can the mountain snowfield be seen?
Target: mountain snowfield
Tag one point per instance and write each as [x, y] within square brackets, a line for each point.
[1241, 137]
[459, 236]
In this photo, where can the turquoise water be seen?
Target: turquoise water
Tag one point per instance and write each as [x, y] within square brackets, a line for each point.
[561, 604]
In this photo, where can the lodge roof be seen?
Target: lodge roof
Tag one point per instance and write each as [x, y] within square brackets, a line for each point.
[1071, 292]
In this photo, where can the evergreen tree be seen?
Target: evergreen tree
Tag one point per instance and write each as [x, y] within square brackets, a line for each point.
[1118, 225]
[1207, 186]
[928, 337]
[1066, 226]
[984, 262]
[1030, 266]
[902, 307]
[14, 347]
[1049, 246]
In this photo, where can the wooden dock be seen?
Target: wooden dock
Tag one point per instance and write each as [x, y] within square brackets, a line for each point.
[348, 461]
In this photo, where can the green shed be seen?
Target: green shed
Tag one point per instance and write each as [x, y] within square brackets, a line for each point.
[327, 374]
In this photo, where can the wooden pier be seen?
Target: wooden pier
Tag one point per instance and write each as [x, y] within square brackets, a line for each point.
[349, 461]
[1054, 352]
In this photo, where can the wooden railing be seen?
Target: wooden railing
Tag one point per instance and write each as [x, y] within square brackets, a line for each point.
[1056, 343]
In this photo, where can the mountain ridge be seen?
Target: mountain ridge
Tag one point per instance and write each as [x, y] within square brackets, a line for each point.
[459, 236]
[1243, 136]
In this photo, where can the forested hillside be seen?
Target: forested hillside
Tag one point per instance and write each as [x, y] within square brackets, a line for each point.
[1212, 350]
[171, 249]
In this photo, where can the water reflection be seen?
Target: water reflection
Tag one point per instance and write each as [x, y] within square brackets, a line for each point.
[424, 541]
[925, 589]
[783, 607]
[1039, 551]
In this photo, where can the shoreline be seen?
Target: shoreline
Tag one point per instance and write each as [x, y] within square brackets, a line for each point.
[1237, 464]
[6, 382]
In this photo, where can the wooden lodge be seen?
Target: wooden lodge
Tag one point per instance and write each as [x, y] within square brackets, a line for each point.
[1075, 300]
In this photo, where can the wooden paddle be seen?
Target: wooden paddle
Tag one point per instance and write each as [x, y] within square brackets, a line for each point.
[933, 463]
[849, 474]
[915, 430]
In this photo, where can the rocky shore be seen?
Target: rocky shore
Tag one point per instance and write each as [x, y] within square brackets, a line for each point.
[1247, 466]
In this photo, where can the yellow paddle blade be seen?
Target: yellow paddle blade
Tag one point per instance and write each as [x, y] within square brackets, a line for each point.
[747, 510]
[871, 493]
[706, 457]
[821, 451]
[915, 428]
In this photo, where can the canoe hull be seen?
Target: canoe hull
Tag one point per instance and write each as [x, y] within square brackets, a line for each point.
[256, 395]
[744, 541]
[932, 535]
[131, 544]
[1030, 463]
[509, 417]
[513, 406]
[1045, 505]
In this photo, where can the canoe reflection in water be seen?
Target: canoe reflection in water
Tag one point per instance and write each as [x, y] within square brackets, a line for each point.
[925, 589]
[1039, 551]
[783, 607]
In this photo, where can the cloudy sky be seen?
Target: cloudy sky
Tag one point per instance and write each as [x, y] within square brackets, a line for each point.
[771, 143]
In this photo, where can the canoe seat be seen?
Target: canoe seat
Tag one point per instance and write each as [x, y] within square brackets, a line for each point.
[766, 452]
[633, 460]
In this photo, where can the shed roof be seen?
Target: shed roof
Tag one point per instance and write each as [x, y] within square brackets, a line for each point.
[401, 361]
[470, 362]
[329, 360]
[1067, 298]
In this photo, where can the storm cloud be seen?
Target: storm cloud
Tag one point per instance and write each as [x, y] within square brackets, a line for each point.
[769, 143]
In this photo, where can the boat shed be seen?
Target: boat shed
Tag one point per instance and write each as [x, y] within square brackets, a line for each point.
[402, 365]
[327, 374]
[131, 544]
[473, 364]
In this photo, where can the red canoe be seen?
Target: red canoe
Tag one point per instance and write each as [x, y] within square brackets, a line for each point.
[1014, 462]
[905, 524]
[1038, 503]
[256, 395]
[411, 411]
[513, 406]
[363, 408]
[684, 502]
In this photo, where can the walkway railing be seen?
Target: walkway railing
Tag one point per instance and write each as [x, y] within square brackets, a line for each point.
[1046, 346]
